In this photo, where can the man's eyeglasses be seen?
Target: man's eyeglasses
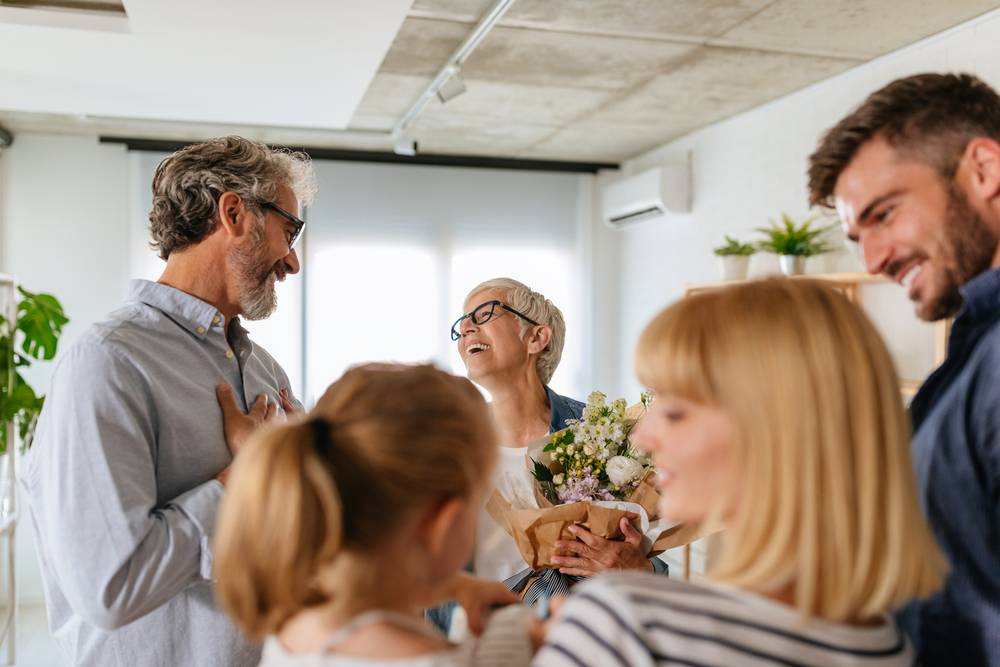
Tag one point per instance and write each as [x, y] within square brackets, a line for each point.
[293, 220]
[483, 313]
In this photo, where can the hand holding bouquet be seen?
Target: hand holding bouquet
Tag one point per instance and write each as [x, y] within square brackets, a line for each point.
[588, 474]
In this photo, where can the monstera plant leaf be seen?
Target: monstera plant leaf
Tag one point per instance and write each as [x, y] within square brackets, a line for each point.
[40, 318]
[40, 321]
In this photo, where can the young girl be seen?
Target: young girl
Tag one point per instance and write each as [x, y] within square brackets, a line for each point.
[337, 530]
[778, 415]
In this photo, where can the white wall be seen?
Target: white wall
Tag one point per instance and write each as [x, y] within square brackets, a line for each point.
[751, 168]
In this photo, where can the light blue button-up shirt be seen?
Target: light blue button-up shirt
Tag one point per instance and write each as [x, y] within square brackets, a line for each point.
[120, 482]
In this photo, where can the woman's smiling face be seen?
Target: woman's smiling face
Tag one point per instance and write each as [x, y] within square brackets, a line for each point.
[495, 345]
[693, 448]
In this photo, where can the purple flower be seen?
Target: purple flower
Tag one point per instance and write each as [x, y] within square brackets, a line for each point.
[577, 489]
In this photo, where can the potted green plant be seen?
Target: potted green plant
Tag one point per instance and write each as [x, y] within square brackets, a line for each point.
[29, 331]
[34, 336]
[793, 242]
[734, 258]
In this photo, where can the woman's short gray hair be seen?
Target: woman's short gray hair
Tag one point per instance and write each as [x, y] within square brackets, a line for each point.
[188, 183]
[520, 297]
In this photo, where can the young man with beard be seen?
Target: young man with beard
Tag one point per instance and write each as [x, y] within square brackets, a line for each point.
[914, 173]
[129, 461]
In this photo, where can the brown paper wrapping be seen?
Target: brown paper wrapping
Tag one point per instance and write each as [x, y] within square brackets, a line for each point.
[535, 531]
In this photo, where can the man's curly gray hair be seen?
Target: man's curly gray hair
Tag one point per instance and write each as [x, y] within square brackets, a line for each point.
[520, 297]
[188, 183]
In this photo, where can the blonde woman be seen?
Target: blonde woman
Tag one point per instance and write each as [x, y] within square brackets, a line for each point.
[778, 415]
[337, 530]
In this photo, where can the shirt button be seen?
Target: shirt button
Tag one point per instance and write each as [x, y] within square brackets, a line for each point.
[216, 319]
[229, 354]
[200, 330]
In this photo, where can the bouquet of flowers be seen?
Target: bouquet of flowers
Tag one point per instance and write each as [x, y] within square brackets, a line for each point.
[593, 459]
[588, 474]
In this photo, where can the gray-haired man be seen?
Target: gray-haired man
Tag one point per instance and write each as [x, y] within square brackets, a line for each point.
[129, 460]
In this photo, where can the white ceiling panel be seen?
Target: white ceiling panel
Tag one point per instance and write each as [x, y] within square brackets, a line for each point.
[305, 63]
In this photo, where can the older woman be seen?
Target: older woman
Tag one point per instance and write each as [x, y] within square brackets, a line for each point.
[778, 414]
[511, 339]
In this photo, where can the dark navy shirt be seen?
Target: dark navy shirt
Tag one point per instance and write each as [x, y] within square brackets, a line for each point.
[563, 408]
[956, 449]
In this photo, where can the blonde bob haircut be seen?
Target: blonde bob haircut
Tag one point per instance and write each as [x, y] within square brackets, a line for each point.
[520, 297]
[384, 441]
[824, 498]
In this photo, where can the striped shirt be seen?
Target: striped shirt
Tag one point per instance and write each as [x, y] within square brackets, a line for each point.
[642, 619]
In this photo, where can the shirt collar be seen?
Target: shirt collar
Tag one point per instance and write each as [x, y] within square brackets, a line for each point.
[189, 311]
[561, 411]
[981, 294]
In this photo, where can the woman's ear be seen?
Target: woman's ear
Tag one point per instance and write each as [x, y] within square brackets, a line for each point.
[539, 339]
[439, 524]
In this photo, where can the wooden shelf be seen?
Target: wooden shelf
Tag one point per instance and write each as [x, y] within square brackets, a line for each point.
[840, 278]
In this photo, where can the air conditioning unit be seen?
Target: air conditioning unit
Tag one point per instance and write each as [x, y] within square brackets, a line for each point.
[654, 192]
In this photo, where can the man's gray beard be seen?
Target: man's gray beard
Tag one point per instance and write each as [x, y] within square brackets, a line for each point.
[259, 303]
[973, 243]
[254, 282]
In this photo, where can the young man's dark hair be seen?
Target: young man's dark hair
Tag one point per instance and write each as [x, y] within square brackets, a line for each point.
[927, 117]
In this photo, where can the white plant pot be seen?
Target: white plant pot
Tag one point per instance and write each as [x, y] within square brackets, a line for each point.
[792, 265]
[734, 267]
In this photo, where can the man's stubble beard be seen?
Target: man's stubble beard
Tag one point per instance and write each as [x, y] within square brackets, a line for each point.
[972, 244]
[255, 278]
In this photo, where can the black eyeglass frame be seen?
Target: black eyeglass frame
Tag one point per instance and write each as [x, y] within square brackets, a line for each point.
[456, 334]
[294, 220]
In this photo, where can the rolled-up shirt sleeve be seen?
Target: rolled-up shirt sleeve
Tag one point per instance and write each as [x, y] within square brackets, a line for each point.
[118, 552]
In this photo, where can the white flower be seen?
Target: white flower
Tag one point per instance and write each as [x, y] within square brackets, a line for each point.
[558, 479]
[623, 470]
[588, 450]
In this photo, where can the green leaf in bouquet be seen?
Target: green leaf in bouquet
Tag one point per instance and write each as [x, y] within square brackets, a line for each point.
[540, 471]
